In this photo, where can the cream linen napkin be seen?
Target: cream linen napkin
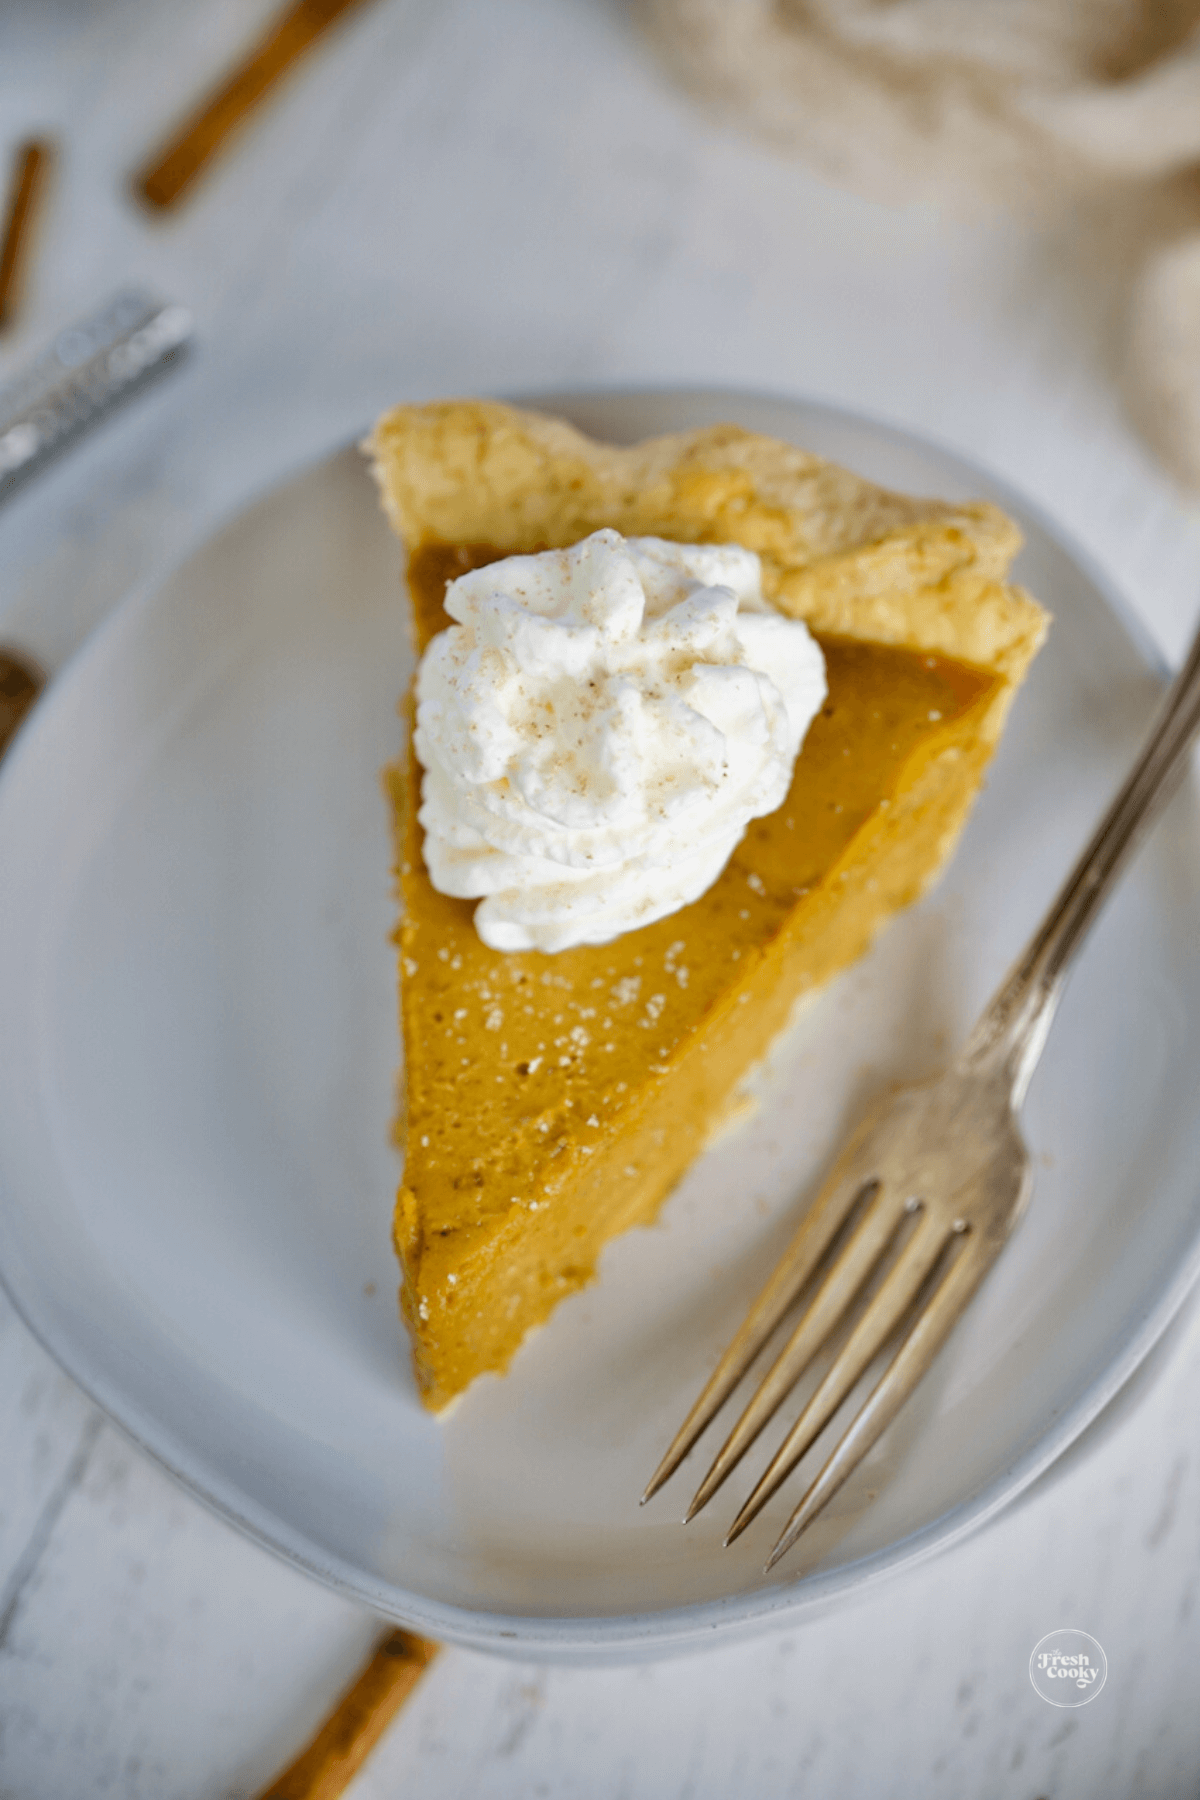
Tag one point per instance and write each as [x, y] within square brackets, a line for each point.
[1058, 101]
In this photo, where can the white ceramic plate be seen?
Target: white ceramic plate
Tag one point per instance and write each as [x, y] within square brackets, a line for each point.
[197, 1055]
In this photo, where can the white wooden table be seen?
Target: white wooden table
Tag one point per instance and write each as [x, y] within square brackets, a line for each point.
[486, 196]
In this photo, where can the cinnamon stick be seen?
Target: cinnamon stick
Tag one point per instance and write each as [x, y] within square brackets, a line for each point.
[30, 169]
[20, 684]
[177, 164]
[350, 1733]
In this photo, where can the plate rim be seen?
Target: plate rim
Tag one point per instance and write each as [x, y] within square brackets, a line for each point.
[591, 1638]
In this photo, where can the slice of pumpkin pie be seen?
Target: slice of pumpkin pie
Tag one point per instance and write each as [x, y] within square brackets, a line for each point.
[579, 762]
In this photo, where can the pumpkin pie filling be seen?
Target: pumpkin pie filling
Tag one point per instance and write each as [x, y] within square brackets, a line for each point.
[594, 1069]
[553, 1101]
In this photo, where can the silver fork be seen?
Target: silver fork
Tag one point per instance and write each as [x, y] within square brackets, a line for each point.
[924, 1195]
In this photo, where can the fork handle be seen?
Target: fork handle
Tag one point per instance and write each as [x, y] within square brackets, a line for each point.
[1013, 1028]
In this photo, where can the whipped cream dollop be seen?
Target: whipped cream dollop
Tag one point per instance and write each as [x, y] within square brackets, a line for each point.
[598, 729]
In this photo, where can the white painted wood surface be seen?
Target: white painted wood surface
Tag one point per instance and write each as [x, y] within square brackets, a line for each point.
[486, 196]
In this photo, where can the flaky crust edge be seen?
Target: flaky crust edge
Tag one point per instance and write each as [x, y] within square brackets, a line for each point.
[846, 556]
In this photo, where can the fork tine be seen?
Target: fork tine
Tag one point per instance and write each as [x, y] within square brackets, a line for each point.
[916, 1262]
[873, 1236]
[928, 1332]
[817, 1231]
